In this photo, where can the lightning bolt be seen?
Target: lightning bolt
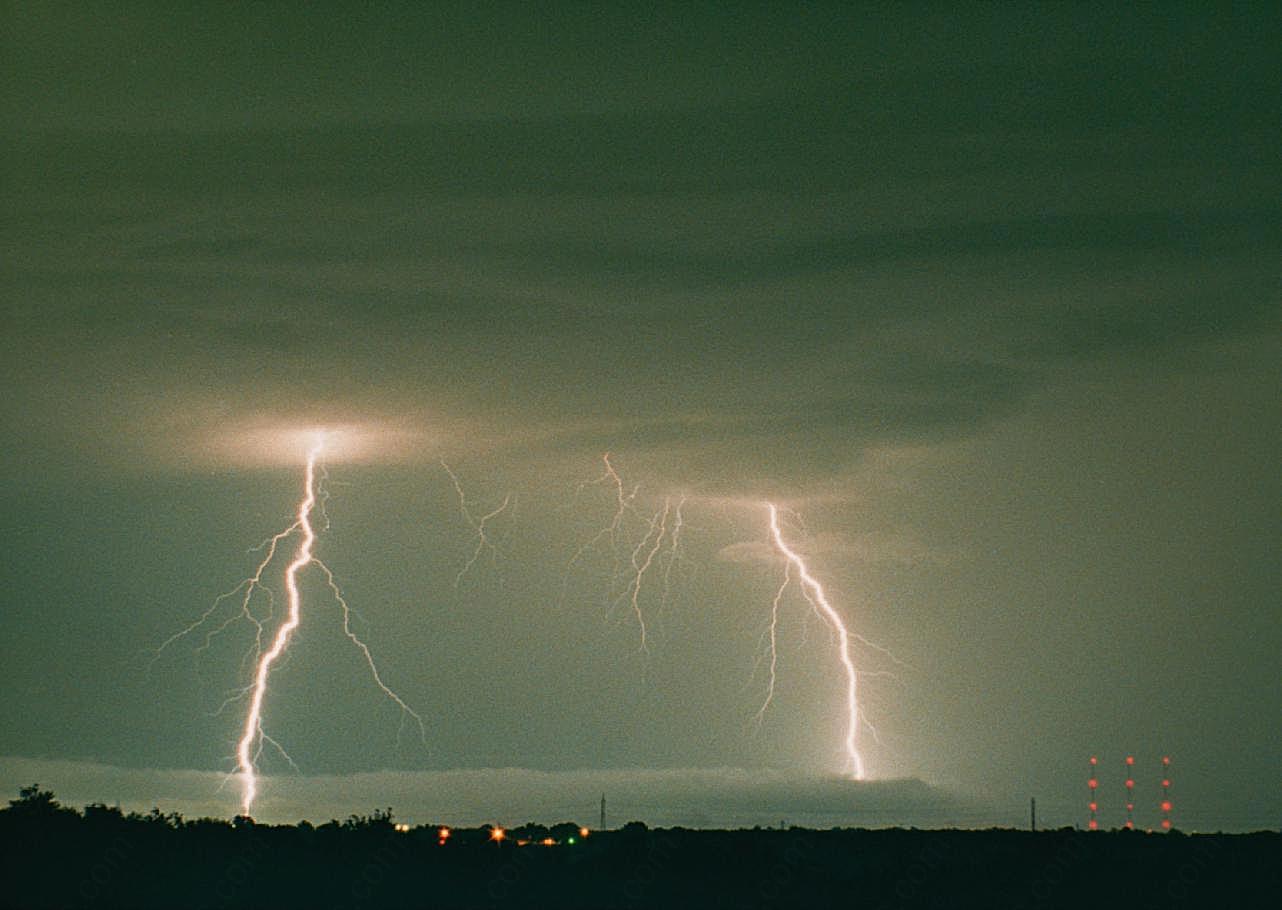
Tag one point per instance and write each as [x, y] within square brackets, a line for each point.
[253, 737]
[477, 525]
[252, 733]
[643, 545]
[814, 593]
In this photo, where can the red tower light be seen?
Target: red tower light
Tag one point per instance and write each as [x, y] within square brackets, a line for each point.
[1093, 784]
[1130, 783]
[1166, 800]
[1130, 759]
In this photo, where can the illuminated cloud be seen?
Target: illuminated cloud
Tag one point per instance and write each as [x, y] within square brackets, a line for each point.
[267, 441]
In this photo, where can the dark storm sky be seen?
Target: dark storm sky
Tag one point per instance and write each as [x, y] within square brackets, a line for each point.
[990, 295]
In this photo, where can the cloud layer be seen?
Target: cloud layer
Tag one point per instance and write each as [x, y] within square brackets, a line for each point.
[704, 797]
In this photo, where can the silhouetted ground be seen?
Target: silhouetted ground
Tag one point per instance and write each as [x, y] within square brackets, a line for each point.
[57, 857]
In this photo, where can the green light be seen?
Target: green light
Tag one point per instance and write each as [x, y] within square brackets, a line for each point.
[570, 841]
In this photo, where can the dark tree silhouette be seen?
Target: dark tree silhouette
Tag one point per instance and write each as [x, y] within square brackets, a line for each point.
[34, 802]
[53, 856]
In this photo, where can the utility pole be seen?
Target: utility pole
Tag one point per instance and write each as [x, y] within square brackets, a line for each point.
[1032, 813]
[602, 811]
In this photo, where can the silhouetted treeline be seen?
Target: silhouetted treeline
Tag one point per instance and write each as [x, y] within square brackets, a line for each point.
[57, 857]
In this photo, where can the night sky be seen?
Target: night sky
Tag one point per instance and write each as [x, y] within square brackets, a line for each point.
[987, 297]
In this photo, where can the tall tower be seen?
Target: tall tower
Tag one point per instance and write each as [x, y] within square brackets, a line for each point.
[1092, 783]
[1166, 793]
[1130, 792]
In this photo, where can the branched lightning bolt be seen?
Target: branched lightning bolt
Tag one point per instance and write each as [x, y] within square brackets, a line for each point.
[252, 733]
[641, 543]
[611, 530]
[640, 555]
[623, 507]
[658, 528]
[477, 525]
[246, 589]
[813, 591]
[254, 738]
